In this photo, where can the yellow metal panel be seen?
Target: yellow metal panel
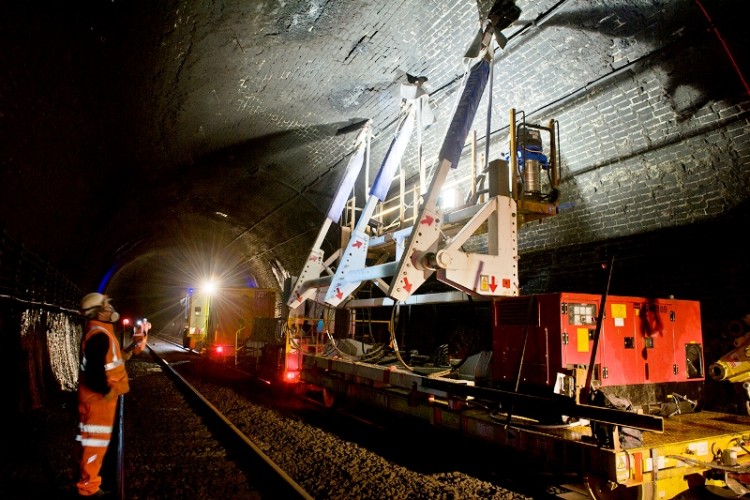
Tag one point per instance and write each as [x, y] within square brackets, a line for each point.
[696, 426]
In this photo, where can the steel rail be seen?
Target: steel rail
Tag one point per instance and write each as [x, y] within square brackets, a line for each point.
[277, 480]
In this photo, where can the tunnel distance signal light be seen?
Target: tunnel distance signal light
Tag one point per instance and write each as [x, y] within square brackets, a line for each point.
[125, 321]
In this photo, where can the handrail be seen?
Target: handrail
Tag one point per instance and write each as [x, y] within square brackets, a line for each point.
[398, 203]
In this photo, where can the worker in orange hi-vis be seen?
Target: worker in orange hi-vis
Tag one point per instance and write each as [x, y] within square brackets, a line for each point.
[101, 380]
[140, 336]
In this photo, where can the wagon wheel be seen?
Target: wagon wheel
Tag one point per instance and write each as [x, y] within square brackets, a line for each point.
[603, 489]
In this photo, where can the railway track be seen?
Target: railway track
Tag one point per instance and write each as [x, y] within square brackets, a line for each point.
[270, 477]
[314, 452]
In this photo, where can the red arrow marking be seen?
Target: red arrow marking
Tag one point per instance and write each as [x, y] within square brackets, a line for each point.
[427, 220]
[493, 285]
[407, 285]
[339, 293]
[357, 244]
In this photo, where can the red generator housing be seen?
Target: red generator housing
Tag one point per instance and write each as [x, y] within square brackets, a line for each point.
[648, 349]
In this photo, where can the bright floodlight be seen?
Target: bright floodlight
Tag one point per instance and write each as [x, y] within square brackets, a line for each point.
[209, 287]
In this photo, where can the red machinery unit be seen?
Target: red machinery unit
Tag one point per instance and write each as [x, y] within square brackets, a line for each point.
[647, 350]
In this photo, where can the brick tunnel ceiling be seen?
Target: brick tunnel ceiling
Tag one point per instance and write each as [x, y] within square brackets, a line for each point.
[142, 136]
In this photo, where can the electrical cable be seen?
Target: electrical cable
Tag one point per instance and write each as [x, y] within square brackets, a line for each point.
[724, 45]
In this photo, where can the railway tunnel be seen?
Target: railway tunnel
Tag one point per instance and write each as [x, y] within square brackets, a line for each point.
[149, 147]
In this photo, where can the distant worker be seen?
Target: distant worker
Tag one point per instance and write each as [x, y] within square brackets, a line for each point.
[101, 380]
[140, 336]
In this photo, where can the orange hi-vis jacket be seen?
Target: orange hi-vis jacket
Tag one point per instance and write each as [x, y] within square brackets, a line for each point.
[102, 379]
[140, 337]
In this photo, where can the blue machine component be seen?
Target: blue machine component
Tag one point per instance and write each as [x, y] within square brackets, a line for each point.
[463, 117]
[393, 158]
[347, 183]
[531, 160]
[530, 155]
[530, 148]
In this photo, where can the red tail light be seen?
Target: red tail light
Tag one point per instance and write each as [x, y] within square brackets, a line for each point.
[291, 376]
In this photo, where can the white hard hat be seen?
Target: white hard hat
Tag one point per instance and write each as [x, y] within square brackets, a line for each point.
[92, 301]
